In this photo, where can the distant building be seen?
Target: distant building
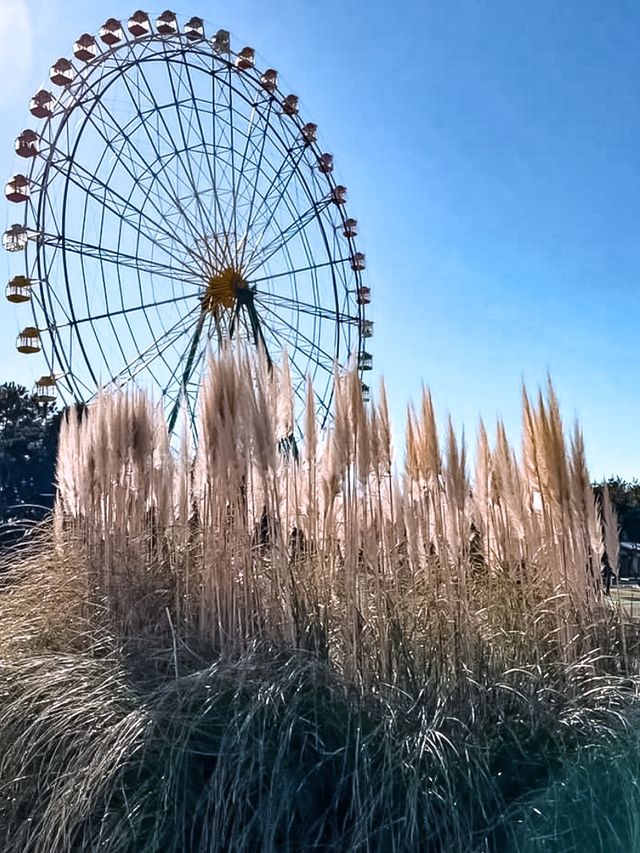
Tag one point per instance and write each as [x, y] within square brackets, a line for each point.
[629, 560]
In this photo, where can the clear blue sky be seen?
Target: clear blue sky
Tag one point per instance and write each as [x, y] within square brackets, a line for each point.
[491, 151]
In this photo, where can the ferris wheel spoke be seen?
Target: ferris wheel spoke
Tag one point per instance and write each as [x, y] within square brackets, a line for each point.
[258, 166]
[159, 353]
[278, 338]
[210, 163]
[282, 239]
[297, 306]
[88, 301]
[234, 198]
[194, 231]
[155, 349]
[130, 309]
[315, 346]
[137, 176]
[176, 401]
[99, 107]
[237, 173]
[39, 300]
[205, 222]
[47, 210]
[215, 164]
[299, 270]
[112, 256]
[292, 156]
[121, 214]
[299, 388]
[284, 179]
[254, 193]
[116, 337]
[221, 174]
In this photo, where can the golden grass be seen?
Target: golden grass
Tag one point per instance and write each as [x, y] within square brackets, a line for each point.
[275, 645]
[392, 571]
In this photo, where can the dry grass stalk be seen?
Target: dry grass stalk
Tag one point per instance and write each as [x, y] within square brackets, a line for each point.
[329, 548]
[280, 646]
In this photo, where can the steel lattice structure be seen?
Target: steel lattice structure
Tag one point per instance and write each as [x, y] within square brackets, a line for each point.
[176, 199]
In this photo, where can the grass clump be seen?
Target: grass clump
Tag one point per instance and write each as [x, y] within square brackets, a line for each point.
[249, 649]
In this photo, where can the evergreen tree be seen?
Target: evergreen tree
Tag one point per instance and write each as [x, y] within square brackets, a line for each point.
[626, 499]
[28, 444]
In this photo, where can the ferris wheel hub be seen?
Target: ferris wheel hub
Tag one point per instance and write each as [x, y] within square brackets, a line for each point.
[223, 289]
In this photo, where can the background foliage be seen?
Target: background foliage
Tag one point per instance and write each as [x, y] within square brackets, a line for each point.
[28, 444]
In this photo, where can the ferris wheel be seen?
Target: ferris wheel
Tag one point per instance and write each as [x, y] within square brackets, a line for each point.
[175, 199]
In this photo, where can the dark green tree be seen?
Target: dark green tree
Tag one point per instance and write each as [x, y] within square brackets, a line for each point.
[28, 446]
[626, 499]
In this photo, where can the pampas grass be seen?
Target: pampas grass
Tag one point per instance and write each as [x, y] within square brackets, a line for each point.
[286, 644]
